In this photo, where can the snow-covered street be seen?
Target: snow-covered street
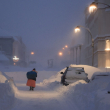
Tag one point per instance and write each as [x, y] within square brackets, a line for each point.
[44, 97]
[50, 94]
[40, 99]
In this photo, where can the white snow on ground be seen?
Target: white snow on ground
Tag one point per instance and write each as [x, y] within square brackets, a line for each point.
[7, 92]
[2, 78]
[49, 94]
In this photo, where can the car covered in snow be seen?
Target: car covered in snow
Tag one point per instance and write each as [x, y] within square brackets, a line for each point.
[98, 75]
[72, 74]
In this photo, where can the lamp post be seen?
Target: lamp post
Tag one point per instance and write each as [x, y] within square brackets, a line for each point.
[94, 5]
[77, 29]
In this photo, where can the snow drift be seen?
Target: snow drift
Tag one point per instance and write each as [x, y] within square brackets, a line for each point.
[86, 96]
[52, 94]
[7, 92]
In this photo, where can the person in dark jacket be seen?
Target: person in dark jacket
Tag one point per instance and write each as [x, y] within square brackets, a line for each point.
[31, 76]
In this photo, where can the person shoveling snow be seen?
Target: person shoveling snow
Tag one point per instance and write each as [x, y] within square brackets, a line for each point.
[31, 76]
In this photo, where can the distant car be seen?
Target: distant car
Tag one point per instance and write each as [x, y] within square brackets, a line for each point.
[73, 73]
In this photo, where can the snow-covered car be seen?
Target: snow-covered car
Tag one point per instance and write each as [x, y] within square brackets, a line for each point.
[90, 70]
[98, 75]
[73, 73]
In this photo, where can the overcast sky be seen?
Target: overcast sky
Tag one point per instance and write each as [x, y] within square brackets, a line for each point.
[45, 25]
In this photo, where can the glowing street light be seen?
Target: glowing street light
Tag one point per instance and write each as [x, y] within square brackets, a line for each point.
[15, 59]
[92, 40]
[66, 46]
[77, 29]
[63, 48]
[60, 53]
[32, 53]
[94, 5]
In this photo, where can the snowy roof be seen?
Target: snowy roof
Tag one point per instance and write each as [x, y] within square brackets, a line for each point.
[9, 37]
[3, 57]
[6, 34]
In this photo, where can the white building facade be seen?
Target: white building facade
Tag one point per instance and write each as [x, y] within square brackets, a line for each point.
[75, 54]
[99, 24]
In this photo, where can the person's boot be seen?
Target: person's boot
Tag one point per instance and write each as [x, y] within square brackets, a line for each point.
[30, 88]
[108, 92]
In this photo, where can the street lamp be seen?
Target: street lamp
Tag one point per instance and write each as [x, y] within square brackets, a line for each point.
[32, 53]
[66, 46]
[94, 5]
[92, 40]
[77, 29]
[60, 53]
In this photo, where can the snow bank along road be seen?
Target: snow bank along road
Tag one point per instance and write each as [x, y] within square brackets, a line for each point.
[46, 95]
[51, 95]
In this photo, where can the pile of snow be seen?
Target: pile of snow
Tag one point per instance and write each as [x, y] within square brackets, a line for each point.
[2, 78]
[79, 95]
[86, 96]
[7, 92]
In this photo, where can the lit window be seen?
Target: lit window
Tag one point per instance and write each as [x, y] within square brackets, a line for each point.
[107, 45]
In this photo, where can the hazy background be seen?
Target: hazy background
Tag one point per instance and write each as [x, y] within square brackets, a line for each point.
[46, 26]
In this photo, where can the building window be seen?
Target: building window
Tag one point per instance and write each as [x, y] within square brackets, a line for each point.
[107, 45]
[107, 49]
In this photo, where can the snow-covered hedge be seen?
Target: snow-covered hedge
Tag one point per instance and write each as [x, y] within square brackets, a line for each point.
[7, 92]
